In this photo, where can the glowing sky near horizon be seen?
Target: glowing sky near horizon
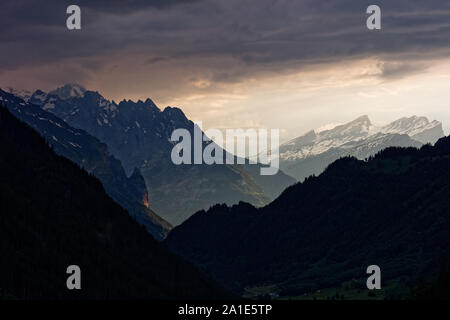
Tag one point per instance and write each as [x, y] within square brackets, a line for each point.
[291, 65]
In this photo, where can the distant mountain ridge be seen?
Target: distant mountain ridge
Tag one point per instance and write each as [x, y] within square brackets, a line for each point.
[88, 152]
[138, 134]
[311, 153]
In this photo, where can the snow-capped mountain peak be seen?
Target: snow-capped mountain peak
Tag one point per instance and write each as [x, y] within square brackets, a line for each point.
[317, 142]
[411, 126]
[69, 91]
[24, 94]
[354, 129]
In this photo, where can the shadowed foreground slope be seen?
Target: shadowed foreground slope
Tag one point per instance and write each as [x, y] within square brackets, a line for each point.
[392, 211]
[54, 214]
[94, 157]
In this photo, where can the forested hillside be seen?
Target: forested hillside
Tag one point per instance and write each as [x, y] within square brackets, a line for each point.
[54, 214]
[392, 210]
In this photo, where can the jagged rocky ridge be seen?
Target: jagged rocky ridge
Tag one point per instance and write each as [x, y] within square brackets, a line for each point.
[89, 153]
[138, 134]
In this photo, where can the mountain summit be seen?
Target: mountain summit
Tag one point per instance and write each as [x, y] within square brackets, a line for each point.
[312, 152]
[91, 154]
[138, 134]
[69, 91]
[418, 128]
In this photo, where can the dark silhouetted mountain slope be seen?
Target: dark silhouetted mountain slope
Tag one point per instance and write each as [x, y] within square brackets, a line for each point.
[88, 152]
[54, 214]
[392, 210]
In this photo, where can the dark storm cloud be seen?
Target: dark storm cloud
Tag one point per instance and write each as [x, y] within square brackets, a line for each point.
[121, 6]
[226, 39]
[32, 13]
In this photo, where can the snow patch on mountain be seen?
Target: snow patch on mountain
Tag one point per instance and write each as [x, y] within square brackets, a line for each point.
[328, 126]
[24, 94]
[69, 91]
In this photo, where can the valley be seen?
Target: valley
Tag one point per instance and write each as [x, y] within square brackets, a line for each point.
[239, 227]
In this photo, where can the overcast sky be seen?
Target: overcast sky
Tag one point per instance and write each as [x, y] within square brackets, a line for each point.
[288, 64]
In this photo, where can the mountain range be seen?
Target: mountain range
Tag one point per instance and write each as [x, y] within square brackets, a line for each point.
[313, 152]
[360, 203]
[53, 214]
[391, 210]
[138, 134]
[94, 156]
